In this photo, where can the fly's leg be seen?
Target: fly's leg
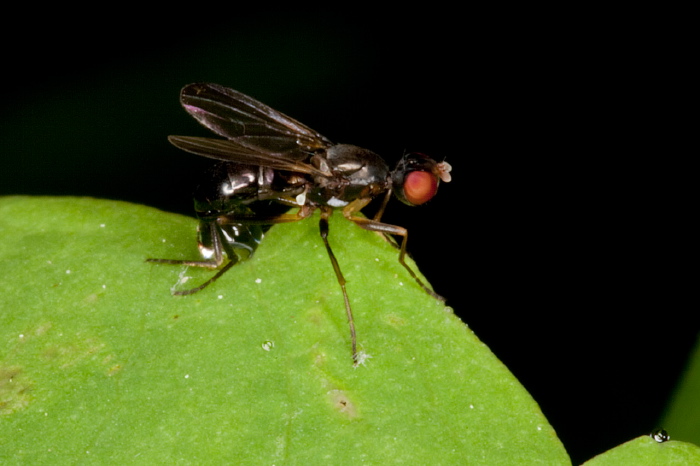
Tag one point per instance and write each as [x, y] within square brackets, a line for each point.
[215, 238]
[237, 235]
[386, 229]
[323, 227]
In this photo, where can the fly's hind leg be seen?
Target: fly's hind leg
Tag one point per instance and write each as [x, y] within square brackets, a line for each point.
[216, 238]
[235, 236]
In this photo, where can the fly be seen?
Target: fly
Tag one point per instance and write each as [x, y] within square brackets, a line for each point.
[269, 163]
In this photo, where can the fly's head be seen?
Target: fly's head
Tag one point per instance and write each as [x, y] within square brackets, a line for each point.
[416, 178]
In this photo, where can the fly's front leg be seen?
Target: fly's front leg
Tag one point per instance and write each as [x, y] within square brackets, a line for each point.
[323, 227]
[386, 229]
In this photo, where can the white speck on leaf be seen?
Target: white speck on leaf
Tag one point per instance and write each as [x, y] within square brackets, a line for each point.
[362, 357]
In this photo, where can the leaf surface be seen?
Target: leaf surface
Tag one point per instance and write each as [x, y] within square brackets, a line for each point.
[100, 363]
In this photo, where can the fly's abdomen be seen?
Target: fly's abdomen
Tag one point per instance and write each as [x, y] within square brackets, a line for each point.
[224, 195]
[239, 241]
[228, 201]
[225, 188]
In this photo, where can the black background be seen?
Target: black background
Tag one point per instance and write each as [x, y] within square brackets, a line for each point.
[562, 239]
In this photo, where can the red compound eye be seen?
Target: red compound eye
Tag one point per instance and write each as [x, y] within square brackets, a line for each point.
[419, 187]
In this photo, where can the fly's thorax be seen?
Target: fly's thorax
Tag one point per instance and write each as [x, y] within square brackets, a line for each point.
[283, 184]
[354, 173]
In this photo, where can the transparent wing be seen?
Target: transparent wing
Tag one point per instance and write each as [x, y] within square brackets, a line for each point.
[251, 124]
[232, 151]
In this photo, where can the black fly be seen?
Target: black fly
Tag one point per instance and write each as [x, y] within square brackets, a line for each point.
[269, 163]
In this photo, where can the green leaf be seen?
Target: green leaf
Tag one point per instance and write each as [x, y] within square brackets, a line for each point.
[99, 363]
[645, 451]
[683, 413]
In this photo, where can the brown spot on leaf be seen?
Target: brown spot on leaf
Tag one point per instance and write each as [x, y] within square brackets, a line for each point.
[114, 370]
[395, 320]
[343, 404]
[14, 390]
